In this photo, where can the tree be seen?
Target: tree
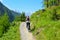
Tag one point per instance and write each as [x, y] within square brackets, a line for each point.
[17, 18]
[46, 3]
[59, 2]
[4, 23]
[50, 3]
[22, 16]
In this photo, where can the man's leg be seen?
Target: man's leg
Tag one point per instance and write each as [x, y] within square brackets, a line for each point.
[29, 26]
[26, 25]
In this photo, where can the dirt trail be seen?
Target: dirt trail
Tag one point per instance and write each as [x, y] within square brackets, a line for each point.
[25, 35]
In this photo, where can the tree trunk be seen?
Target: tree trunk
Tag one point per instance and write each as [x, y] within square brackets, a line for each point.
[59, 2]
[47, 4]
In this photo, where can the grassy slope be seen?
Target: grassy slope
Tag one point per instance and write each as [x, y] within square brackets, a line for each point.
[13, 33]
[45, 27]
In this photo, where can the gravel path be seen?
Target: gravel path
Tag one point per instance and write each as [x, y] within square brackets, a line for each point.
[25, 35]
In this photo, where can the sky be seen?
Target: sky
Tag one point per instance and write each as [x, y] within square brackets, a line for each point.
[27, 6]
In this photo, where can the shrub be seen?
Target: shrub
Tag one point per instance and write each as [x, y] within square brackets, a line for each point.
[4, 23]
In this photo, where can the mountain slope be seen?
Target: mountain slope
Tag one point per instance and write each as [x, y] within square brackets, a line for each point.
[46, 23]
[11, 14]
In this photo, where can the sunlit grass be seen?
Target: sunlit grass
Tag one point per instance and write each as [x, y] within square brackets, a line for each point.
[46, 28]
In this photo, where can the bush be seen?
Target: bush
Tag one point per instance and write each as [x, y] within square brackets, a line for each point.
[4, 23]
[22, 17]
[1, 30]
[13, 33]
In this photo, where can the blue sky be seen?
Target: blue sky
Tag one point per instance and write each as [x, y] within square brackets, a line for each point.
[27, 6]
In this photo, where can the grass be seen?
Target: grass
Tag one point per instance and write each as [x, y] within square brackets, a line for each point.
[13, 33]
[47, 27]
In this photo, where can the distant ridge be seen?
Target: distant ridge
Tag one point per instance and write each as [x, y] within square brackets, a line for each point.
[11, 14]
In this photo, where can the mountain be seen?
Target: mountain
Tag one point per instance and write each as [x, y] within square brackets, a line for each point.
[11, 14]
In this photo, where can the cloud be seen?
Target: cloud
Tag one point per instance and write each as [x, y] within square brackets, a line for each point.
[0, 0]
